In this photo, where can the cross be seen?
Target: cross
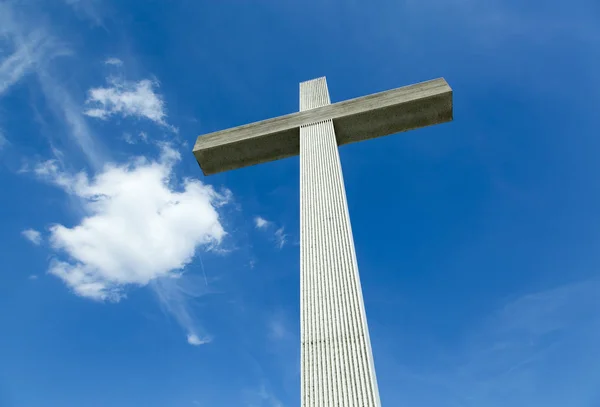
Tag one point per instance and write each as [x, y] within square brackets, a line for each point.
[336, 357]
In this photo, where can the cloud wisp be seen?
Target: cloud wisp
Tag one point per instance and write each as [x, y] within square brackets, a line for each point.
[177, 294]
[20, 62]
[33, 236]
[538, 349]
[31, 49]
[262, 396]
[65, 107]
[279, 235]
[34, 49]
[88, 9]
[113, 61]
[131, 139]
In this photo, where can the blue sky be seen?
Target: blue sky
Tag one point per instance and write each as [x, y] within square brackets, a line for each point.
[129, 279]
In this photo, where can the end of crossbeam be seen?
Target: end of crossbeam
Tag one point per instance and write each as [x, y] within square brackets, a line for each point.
[394, 111]
[232, 150]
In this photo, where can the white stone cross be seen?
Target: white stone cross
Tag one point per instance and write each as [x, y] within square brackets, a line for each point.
[336, 358]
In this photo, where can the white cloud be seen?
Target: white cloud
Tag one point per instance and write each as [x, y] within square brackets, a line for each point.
[261, 222]
[33, 236]
[127, 99]
[140, 225]
[33, 277]
[113, 61]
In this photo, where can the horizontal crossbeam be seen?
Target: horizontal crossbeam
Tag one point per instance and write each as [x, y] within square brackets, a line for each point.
[366, 117]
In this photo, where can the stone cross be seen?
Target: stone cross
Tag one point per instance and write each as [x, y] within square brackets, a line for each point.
[336, 358]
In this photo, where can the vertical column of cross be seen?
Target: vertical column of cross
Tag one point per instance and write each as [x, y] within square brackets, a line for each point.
[336, 359]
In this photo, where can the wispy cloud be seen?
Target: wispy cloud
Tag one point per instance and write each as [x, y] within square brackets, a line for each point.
[262, 397]
[277, 328]
[497, 21]
[127, 99]
[113, 61]
[70, 113]
[177, 293]
[31, 49]
[88, 9]
[270, 398]
[19, 63]
[34, 48]
[279, 235]
[131, 139]
[539, 349]
[33, 236]
[128, 138]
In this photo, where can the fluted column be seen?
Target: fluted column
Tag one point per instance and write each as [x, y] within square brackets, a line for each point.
[337, 362]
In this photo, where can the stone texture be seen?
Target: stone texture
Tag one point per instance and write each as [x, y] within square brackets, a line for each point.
[375, 115]
[336, 358]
